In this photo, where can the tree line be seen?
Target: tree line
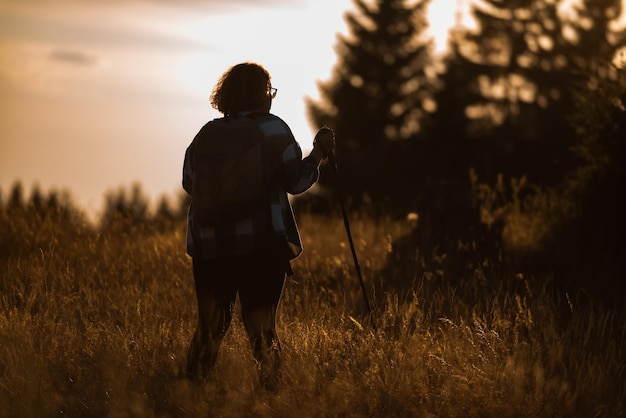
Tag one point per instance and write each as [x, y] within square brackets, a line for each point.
[516, 131]
[124, 209]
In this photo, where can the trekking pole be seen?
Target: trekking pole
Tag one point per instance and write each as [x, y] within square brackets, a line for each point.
[333, 164]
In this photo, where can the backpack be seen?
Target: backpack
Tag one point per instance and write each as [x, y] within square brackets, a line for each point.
[230, 176]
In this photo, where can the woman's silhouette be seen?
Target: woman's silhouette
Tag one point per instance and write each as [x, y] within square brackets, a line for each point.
[249, 256]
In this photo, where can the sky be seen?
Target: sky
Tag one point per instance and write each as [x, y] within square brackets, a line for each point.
[95, 96]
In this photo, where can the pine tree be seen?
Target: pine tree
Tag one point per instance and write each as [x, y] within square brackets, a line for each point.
[374, 97]
[527, 59]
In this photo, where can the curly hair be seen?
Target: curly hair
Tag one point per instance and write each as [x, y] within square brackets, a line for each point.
[242, 87]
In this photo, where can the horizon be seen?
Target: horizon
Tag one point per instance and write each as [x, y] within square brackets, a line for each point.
[97, 97]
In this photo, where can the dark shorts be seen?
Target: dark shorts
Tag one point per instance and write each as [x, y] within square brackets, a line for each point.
[258, 278]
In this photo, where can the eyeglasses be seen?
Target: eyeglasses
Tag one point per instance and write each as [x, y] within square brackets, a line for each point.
[271, 93]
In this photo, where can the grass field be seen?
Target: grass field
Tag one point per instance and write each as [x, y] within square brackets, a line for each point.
[95, 323]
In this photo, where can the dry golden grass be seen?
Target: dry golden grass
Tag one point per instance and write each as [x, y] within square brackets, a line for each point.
[96, 323]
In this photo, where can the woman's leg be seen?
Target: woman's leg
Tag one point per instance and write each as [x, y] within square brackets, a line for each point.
[259, 295]
[215, 295]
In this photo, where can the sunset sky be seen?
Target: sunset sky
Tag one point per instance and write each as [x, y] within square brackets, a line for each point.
[97, 95]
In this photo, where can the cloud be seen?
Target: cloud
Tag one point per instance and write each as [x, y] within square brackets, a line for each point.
[93, 24]
[73, 57]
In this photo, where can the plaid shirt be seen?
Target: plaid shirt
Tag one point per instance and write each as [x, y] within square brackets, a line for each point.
[293, 175]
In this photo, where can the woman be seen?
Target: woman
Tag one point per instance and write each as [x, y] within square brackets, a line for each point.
[249, 256]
